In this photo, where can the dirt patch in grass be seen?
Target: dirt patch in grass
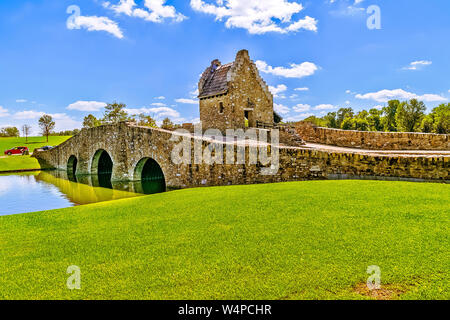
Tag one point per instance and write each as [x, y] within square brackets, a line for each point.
[386, 292]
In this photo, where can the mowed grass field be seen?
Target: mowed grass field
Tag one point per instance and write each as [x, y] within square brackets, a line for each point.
[13, 163]
[300, 240]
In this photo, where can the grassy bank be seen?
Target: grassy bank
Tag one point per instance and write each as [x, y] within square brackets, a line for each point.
[14, 163]
[303, 240]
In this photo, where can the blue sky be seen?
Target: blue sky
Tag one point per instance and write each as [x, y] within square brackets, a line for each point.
[316, 55]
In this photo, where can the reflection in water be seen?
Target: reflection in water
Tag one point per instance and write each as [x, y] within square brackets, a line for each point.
[86, 190]
[47, 190]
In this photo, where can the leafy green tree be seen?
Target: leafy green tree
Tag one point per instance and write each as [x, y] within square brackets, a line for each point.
[348, 124]
[320, 122]
[146, 121]
[331, 121]
[277, 118]
[409, 115]
[441, 117]
[389, 119]
[167, 124]
[374, 119]
[9, 132]
[342, 114]
[427, 124]
[90, 121]
[361, 124]
[115, 113]
[46, 124]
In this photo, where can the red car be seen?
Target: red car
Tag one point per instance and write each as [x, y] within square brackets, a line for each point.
[17, 150]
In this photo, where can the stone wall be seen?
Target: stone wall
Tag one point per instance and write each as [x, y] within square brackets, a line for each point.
[373, 140]
[127, 145]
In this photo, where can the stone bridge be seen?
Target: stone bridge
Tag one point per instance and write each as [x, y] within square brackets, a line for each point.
[126, 152]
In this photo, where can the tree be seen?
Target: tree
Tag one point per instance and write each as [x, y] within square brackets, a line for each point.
[90, 121]
[316, 121]
[277, 118]
[146, 121]
[374, 119]
[331, 121]
[348, 124]
[342, 114]
[114, 113]
[26, 131]
[9, 132]
[167, 124]
[427, 124]
[46, 124]
[409, 115]
[441, 117]
[389, 121]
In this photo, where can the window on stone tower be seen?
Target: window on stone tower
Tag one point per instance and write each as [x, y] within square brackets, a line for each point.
[221, 107]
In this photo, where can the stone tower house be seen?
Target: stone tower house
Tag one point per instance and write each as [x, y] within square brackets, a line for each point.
[233, 95]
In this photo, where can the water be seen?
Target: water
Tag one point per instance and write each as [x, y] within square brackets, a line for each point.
[47, 190]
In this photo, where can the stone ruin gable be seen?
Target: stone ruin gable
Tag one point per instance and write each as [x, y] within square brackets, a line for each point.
[373, 140]
[226, 93]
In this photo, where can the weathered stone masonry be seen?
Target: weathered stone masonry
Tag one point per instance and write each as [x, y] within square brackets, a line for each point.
[373, 140]
[127, 145]
[231, 93]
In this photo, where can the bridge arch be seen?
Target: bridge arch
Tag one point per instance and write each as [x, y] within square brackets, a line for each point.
[72, 164]
[150, 175]
[102, 169]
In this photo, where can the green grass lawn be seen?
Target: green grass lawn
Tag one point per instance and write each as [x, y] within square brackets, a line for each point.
[301, 240]
[13, 163]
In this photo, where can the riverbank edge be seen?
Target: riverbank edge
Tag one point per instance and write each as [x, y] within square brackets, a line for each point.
[20, 171]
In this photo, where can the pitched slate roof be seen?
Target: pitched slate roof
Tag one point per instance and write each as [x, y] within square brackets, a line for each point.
[216, 82]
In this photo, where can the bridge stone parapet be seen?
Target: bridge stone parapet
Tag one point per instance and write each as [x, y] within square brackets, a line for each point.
[128, 145]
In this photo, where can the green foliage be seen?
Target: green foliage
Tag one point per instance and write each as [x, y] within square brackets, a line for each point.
[299, 240]
[277, 118]
[330, 120]
[167, 124]
[90, 121]
[441, 119]
[146, 121]
[9, 132]
[342, 114]
[46, 124]
[409, 115]
[316, 121]
[114, 113]
[396, 116]
[389, 122]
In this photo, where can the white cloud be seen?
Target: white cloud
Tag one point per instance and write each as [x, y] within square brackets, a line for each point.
[386, 95]
[160, 98]
[157, 113]
[418, 65]
[21, 100]
[153, 10]
[3, 112]
[28, 114]
[258, 17]
[278, 89]
[325, 107]
[295, 71]
[159, 104]
[186, 101]
[298, 117]
[281, 109]
[301, 89]
[93, 23]
[87, 106]
[301, 107]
